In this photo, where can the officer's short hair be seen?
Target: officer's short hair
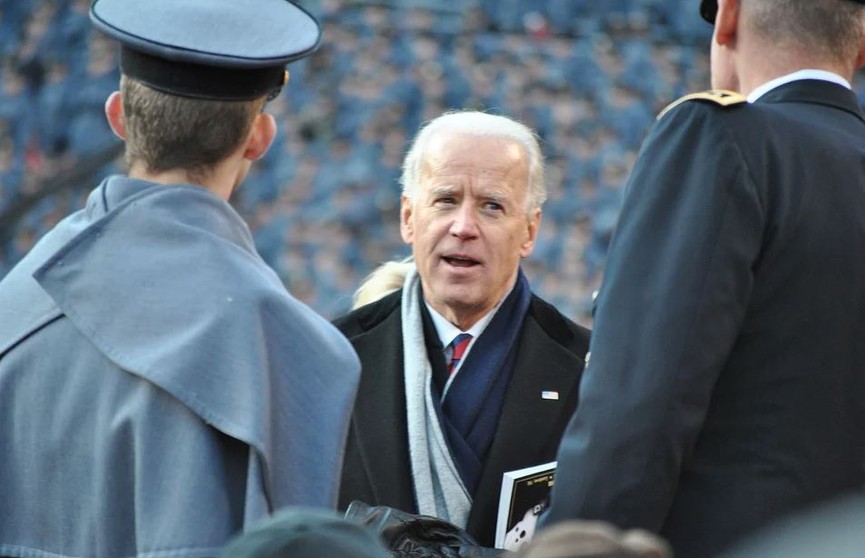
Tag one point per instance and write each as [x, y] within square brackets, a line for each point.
[833, 29]
[165, 131]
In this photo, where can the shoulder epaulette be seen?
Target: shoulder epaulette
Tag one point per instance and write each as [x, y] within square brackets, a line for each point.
[717, 96]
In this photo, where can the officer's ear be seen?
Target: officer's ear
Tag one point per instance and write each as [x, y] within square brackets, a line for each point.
[860, 60]
[114, 115]
[727, 21]
[260, 136]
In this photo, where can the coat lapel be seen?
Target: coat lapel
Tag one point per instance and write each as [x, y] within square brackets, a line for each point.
[379, 426]
[530, 426]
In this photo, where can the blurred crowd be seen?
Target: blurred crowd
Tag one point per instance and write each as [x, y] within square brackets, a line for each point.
[323, 204]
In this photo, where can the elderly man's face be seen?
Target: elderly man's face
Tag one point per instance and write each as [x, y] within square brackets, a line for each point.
[467, 223]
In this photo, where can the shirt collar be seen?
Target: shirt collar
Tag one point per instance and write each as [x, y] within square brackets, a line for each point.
[447, 331]
[821, 75]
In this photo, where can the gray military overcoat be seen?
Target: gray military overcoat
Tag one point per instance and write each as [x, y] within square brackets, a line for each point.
[159, 388]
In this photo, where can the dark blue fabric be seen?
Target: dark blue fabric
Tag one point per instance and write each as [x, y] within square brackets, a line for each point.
[470, 412]
[734, 276]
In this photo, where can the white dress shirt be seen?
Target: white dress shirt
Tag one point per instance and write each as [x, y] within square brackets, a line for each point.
[821, 75]
[448, 331]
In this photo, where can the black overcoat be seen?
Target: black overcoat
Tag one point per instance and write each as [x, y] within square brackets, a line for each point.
[377, 469]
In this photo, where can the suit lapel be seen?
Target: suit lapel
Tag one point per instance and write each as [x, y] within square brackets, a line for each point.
[379, 417]
[530, 426]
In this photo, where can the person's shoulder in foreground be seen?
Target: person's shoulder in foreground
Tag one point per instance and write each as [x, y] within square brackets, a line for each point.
[148, 346]
[742, 213]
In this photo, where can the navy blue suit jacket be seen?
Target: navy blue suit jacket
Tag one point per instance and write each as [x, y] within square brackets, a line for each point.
[726, 384]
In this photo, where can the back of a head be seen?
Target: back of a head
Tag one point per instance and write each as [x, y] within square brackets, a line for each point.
[480, 124]
[165, 131]
[593, 539]
[197, 72]
[306, 533]
[831, 30]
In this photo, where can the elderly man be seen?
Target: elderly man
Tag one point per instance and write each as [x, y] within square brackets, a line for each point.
[727, 379]
[466, 374]
[159, 388]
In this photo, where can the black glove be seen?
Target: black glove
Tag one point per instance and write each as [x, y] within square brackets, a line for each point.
[409, 535]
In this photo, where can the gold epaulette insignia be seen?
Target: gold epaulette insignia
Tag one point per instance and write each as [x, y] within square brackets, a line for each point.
[717, 96]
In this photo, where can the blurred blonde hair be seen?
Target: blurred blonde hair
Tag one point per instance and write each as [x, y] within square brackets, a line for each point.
[385, 279]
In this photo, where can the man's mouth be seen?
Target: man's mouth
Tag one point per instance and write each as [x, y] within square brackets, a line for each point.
[460, 261]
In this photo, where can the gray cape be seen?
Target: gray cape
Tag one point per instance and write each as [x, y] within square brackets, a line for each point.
[159, 388]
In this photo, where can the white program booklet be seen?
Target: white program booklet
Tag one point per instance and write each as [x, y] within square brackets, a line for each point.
[525, 494]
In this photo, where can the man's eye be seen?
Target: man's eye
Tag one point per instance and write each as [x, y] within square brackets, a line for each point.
[493, 206]
[446, 201]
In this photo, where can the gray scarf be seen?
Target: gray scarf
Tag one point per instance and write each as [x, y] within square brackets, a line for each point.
[438, 488]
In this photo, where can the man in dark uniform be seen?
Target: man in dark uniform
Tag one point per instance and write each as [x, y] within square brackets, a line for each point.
[466, 373]
[159, 388]
[726, 383]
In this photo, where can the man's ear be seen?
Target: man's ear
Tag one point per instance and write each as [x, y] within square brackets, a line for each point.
[406, 226]
[727, 22]
[260, 136]
[114, 115]
[533, 226]
[860, 60]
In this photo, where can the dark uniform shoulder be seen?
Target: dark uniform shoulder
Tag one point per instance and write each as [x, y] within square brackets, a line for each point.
[719, 97]
[368, 316]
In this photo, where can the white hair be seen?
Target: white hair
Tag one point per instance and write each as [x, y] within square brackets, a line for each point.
[478, 124]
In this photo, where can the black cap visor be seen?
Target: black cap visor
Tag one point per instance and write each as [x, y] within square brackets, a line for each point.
[709, 10]
[198, 81]
[208, 49]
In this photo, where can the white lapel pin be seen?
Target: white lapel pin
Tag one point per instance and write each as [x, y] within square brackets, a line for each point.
[551, 395]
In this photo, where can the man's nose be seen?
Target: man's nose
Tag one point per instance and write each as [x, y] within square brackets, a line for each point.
[465, 223]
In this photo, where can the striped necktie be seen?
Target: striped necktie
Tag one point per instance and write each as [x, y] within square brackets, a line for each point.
[455, 351]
